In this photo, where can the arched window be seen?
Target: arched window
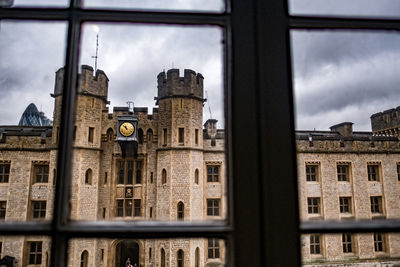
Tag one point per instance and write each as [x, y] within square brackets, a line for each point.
[180, 258]
[110, 134]
[140, 136]
[84, 258]
[162, 257]
[180, 211]
[196, 176]
[164, 176]
[149, 135]
[88, 176]
[197, 258]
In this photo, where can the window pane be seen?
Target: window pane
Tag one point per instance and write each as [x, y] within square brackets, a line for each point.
[115, 97]
[346, 94]
[187, 252]
[34, 3]
[370, 8]
[30, 53]
[189, 5]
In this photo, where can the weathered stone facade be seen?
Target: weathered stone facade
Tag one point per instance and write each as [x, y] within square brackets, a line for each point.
[343, 172]
[106, 186]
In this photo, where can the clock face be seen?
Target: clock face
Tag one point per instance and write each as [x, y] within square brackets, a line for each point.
[127, 129]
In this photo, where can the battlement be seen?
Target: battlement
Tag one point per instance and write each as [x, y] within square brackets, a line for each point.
[386, 122]
[170, 84]
[89, 84]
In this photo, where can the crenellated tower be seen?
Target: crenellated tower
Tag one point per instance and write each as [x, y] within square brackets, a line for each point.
[180, 142]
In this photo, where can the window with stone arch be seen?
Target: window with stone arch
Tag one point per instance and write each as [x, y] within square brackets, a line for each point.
[162, 257]
[149, 136]
[196, 176]
[110, 134]
[180, 210]
[88, 176]
[180, 259]
[84, 258]
[140, 136]
[164, 176]
[197, 257]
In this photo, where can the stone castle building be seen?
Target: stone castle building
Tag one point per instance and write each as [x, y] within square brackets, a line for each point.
[129, 165]
[172, 169]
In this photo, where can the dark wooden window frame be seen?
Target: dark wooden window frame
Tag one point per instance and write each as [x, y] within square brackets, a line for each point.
[261, 162]
[345, 204]
[5, 168]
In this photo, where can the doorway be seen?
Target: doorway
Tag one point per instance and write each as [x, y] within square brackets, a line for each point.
[124, 250]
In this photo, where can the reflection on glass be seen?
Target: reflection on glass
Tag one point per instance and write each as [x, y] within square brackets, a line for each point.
[30, 53]
[353, 249]
[181, 252]
[347, 137]
[134, 163]
[370, 8]
[25, 250]
[192, 5]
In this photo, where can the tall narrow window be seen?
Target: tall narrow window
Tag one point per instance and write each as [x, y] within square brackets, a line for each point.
[213, 248]
[313, 204]
[3, 208]
[343, 173]
[165, 136]
[74, 134]
[373, 172]
[162, 257]
[315, 244]
[105, 177]
[196, 136]
[149, 136]
[35, 252]
[120, 208]
[41, 173]
[345, 204]
[379, 242]
[181, 135]
[138, 172]
[197, 257]
[91, 135]
[150, 250]
[164, 176]
[311, 173]
[347, 243]
[398, 171]
[4, 172]
[151, 177]
[376, 204]
[196, 176]
[137, 206]
[151, 212]
[88, 176]
[140, 136]
[110, 134]
[128, 207]
[84, 259]
[130, 172]
[121, 172]
[180, 211]
[180, 258]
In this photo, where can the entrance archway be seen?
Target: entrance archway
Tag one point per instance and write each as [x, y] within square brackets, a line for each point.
[124, 250]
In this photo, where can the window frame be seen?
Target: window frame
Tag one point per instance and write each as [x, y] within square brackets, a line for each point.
[258, 77]
[310, 174]
[4, 175]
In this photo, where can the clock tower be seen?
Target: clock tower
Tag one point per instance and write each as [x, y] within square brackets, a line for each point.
[126, 135]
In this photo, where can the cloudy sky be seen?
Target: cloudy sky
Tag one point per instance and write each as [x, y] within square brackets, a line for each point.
[338, 75]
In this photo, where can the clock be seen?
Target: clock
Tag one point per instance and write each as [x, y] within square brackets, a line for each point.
[127, 129]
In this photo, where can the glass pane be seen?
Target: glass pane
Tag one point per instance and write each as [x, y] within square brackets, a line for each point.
[182, 252]
[350, 249]
[25, 250]
[133, 104]
[357, 8]
[188, 5]
[30, 53]
[346, 94]
[34, 3]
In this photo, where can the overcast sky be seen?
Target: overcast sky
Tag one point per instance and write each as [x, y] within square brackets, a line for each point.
[338, 76]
